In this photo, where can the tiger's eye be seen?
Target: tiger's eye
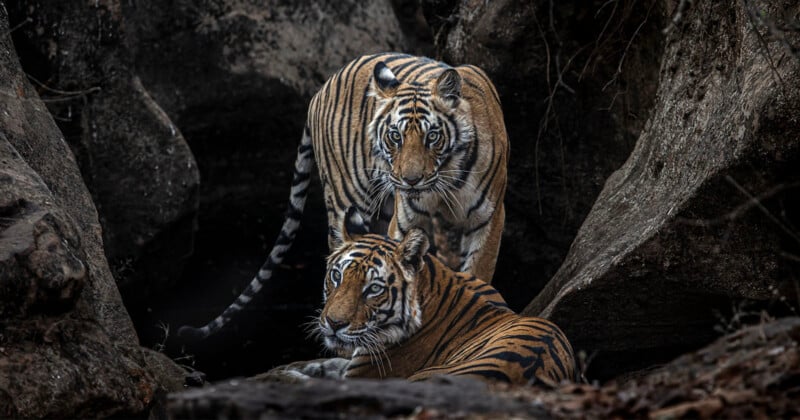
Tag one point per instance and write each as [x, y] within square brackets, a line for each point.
[336, 276]
[394, 135]
[375, 288]
[433, 137]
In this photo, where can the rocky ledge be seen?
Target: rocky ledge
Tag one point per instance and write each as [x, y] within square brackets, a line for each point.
[754, 372]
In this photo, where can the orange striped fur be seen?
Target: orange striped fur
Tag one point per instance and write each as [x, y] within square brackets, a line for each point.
[403, 313]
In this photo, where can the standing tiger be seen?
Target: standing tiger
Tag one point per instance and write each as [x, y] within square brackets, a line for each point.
[403, 313]
[401, 142]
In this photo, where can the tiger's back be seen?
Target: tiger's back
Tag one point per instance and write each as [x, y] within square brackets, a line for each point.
[515, 349]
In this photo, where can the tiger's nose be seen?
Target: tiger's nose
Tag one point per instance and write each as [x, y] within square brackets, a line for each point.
[412, 179]
[336, 324]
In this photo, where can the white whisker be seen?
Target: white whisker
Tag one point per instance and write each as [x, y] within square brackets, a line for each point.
[376, 199]
[461, 171]
[453, 180]
[450, 199]
[445, 199]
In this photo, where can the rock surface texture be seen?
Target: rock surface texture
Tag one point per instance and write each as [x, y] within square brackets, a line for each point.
[67, 346]
[697, 216]
[356, 398]
[750, 373]
[137, 165]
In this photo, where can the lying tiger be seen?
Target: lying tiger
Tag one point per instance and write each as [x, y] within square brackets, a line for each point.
[401, 312]
[408, 142]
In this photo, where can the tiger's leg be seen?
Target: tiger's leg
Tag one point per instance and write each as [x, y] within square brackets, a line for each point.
[479, 246]
[446, 244]
[333, 368]
[334, 217]
[405, 218]
[351, 217]
[395, 231]
[365, 365]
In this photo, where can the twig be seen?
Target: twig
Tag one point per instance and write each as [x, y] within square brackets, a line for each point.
[63, 92]
[762, 208]
[627, 47]
[67, 95]
[754, 19]
[601, 41]
[790, 257]
[543, 123]
[741, 208]
[600, 38]
[19, 25]
[585, 361]
[553, 88]
[774, 31]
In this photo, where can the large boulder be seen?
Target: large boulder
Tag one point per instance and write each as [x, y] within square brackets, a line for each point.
[213, 64]
[67, 346]
[136, 163]
[701, 214]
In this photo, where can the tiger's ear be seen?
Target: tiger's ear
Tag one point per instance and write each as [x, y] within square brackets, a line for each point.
[353, 225]
[384, 83]
[412, 248]
[448, 87]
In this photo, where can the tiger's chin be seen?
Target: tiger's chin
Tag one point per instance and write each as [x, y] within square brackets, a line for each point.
[386, 337]
[343, 344]
[420, 196]
[338, 345]
[414, 193]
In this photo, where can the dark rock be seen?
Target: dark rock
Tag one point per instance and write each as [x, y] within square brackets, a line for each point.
[42, 176]
[751, 373]
[355, 398]
[136, 163]
[67, 346]
[214, 64]
[411, 18]
[701, 214]
[42, 266]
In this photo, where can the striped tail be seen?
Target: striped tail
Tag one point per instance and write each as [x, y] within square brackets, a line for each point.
[297, 200]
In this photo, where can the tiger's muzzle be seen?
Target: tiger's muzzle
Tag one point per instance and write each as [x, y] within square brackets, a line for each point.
[339, 335]
[415, 187]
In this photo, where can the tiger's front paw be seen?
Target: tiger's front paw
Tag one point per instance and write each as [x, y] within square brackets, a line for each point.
[333, 368]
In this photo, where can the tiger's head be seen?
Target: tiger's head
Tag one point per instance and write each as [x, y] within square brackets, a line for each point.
[421, 130]
[370, 292]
